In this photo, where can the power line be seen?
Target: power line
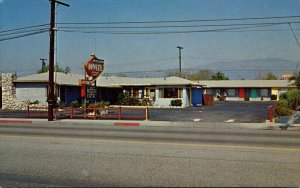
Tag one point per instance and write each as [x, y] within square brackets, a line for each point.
[294, 35]
[24, 35]
[173, 26]
[29, 27]
[168, 32]
[183, 21]
[20, 32]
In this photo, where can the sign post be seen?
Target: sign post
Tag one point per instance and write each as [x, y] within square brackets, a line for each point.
[93, 68]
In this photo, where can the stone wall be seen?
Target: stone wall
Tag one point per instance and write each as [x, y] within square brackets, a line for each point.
[9, 98]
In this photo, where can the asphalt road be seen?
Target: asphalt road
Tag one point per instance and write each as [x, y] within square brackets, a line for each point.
[66, 155]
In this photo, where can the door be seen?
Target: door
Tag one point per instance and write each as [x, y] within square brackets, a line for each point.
[241, 93]
[197, 96]
[253, 93]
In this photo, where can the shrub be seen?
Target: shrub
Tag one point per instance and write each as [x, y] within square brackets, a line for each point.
[176, 102]
[62, 105]
[146, 102]
[126, 99]
[293, 98]
[283, 96]
[246, 98]
[283, 108]
[74, 103]
[221, 98]
[101, 104]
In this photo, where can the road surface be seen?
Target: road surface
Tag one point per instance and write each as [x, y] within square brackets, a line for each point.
[86, 155]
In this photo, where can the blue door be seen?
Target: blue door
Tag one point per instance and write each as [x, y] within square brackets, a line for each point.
[197, 96]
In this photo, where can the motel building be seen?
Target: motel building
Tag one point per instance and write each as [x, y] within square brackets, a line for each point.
[16, 91]
[161, 91]
[254, 90]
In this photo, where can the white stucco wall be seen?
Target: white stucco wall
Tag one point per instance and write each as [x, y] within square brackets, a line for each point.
[166, 102]
[32, 92]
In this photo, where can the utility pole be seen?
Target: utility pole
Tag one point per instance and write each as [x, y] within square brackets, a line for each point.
[180, 48]
[43, 62]
[51, 59]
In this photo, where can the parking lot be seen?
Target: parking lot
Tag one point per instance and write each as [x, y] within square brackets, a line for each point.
[242, 112]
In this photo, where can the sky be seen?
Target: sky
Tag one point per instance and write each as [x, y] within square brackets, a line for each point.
[147, 52]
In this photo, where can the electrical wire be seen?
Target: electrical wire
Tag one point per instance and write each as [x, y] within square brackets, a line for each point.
[169, 32]
[20, 32]
[183, 21]
[294, 35]
[172, 26]
[24, 35]
[29, 27]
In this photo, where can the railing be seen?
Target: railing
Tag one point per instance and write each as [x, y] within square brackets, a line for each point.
[118, 113]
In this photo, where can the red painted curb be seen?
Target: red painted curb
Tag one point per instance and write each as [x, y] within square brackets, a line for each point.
[15, 121]
[126, 124]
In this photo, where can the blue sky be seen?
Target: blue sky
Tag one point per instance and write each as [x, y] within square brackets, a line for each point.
[145, 52]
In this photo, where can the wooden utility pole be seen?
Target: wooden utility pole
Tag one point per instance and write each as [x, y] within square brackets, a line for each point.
[51, 59]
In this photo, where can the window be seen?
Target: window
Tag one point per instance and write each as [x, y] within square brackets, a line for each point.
[231, 93]
[135, 93]
[264, 92]
[170, 92]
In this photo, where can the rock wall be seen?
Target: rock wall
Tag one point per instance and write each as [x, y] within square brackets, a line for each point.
[9, 98]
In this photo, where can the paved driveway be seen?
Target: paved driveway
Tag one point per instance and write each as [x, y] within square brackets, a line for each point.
[250, 112]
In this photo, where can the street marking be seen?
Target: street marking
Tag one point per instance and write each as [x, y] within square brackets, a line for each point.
[158, 143]
[15, 121]
[126, 124]
[197, 120]
[230, 121]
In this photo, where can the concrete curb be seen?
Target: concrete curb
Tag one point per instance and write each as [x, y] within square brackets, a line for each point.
[147, 123]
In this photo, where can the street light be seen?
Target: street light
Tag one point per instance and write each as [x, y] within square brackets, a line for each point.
[180, 48]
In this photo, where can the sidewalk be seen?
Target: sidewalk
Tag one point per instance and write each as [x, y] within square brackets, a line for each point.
[260, 126]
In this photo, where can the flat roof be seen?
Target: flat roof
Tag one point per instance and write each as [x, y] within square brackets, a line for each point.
[246, 83]
[103, 81]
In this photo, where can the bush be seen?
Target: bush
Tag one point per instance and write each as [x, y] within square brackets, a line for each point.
[293, 98]
[146, 102]
[62, 105]
[101, 104]
[246, 98]
[74, 103]
[126, 99]
[283, 96]
[176, 102]
[283, 108]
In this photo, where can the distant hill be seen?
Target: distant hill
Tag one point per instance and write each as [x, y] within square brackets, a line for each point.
[251, 69]
[235, 70]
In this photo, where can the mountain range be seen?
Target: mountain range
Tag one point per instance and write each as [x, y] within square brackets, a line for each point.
[235, 70]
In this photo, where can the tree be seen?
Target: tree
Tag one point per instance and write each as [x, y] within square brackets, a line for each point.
[270, 76]
[219, 76]
[201, 75]
[296, 78]
[266, 76]
[56, 69]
